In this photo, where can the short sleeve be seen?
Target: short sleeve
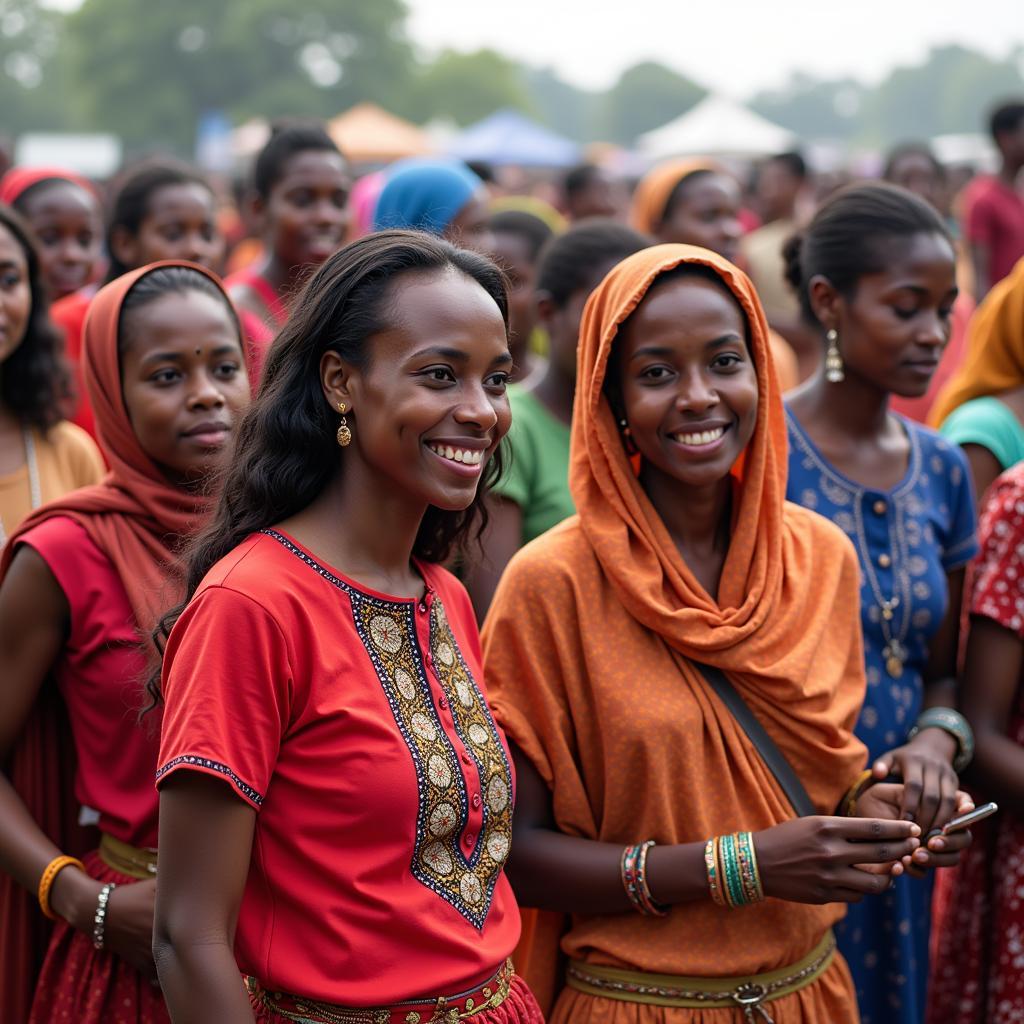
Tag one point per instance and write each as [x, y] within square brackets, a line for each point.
[227, 686]
[999, 570]
[989, 424]
[962, 540]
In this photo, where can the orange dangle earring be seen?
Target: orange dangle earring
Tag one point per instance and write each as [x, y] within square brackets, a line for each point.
[344, 433]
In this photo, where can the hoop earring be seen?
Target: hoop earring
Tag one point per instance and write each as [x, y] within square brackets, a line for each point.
[344, 434]
[627, 437]
[833, 360]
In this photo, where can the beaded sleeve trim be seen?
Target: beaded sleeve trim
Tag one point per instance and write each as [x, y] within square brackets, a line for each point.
[216, 766]
[387, 629]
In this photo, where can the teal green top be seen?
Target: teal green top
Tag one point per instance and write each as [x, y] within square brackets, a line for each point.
[537, 477]
[990, 424]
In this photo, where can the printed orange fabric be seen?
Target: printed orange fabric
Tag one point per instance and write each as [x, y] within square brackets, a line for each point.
[589, 649]
[995, 349]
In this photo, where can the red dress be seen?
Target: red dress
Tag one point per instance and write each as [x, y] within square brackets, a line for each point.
[355, 725]
[98, 677]
[978, 964]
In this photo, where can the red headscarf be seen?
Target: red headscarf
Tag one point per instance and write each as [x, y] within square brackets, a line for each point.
[19, 179]
[139, 521]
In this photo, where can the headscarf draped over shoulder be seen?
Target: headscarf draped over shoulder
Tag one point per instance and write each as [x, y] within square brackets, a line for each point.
[995, 349]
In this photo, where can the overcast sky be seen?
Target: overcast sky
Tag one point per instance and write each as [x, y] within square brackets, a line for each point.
[736, 47]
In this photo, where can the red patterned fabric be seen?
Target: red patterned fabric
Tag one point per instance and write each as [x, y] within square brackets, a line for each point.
[977, 967]
[80, 984]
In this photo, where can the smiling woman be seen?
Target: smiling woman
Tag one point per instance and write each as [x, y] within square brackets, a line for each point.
[345, 757]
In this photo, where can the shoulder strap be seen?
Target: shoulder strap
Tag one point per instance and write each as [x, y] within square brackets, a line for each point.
[770, 753]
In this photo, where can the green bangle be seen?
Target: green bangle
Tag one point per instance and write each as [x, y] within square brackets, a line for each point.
[733, 879]
[950, 721]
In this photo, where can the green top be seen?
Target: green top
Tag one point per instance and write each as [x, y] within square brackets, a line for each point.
[990, 424]
[537, 477]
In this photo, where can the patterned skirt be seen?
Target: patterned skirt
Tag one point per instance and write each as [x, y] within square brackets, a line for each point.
[82, 985]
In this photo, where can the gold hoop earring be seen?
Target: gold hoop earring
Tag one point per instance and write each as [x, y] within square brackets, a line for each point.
[344, 434]
[833, 360]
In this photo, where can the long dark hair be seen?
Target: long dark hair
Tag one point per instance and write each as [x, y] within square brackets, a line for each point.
[34, 380]
[285, 451]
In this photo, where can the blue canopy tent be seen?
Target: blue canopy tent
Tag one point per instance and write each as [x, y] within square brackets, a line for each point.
[507, 137]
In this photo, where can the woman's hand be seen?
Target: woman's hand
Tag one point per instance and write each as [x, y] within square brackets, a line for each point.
[929, 783]
[128, 931]
[129, 926]
[815, 860]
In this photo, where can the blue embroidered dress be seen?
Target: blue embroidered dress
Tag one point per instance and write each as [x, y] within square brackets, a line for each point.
[907, 540]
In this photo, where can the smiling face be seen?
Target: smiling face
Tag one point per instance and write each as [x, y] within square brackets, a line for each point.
[180, 224]
[15, 294]
[429, 408]
[687, 381]
[894, 327]
[184, 382]
[66, 220]
[705, 212]
[306, 214]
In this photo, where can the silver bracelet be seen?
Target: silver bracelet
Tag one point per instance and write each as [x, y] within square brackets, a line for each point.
[99, 922]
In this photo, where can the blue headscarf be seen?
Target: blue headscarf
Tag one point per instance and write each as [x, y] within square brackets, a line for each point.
[424, 194]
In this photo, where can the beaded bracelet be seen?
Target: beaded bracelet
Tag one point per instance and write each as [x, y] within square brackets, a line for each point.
[733, 878]
[633, 869]
[951, 721]
[714, 877]
[99, 922]
[49, 875]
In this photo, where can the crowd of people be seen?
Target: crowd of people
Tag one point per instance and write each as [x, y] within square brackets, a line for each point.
[422, 601]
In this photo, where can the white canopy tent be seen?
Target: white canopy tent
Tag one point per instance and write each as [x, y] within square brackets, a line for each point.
[716, 126]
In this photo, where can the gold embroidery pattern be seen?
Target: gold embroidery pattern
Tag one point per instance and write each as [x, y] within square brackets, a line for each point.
[388, 632]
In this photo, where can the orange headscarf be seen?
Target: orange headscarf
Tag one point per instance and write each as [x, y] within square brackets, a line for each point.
[601, 618]
[134, 516]
[653, 190]
[995, 349]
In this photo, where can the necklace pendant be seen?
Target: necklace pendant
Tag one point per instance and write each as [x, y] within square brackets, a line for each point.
[895, 656]
[887, 613]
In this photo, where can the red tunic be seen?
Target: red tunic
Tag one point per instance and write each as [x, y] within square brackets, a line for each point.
[354, 723]
[99, 675]
[259, 332]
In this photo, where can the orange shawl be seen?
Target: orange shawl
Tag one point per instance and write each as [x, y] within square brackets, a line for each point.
[995, 349]
[587, 652]
[653, 190]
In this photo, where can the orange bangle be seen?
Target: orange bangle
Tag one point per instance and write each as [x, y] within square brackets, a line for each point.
[52, 870]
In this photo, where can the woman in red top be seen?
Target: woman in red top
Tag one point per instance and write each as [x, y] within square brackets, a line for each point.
[336, 799]
[301, 185]
[161, 210]
[81, 578]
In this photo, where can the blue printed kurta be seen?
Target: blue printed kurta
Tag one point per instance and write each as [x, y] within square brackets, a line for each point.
[907, 540]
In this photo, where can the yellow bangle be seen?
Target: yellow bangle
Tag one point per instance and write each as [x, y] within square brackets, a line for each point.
[52, 870]
[854, 793]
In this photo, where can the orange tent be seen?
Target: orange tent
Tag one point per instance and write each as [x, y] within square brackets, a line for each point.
[368, 134]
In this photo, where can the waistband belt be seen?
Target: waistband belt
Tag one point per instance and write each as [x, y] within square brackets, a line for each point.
[133, 861]
[749, 994]
[441, 1010]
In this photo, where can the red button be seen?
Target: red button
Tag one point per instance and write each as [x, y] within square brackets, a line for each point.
[476, 799]
[470, 838]
[442, 703]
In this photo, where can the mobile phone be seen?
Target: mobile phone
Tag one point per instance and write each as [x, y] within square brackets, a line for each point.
[969, 819]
